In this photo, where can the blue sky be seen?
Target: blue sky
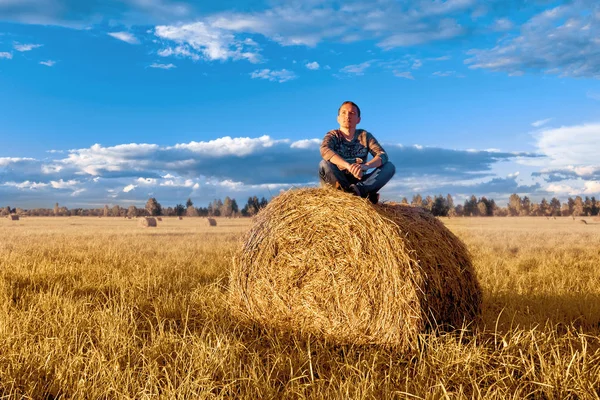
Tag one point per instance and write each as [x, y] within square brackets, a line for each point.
[110, 102]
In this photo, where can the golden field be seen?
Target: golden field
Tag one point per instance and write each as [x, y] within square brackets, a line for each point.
[96, 308]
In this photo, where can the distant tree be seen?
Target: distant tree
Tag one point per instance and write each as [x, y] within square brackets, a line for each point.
[545, 209]
[5, 211]
[116, 211]
[587, 206]
[214, 208]
[251, 207]
[514, 204]
[105, 211]
[132, 211]
[179, 210]
[571, 205]
[404, 201]
[189, 203]
[153, 207]
[417, 201]
[440, 206]
[555, 206]
[450, 201]
[234, 207]
[56, 209]
[577, 206]
[226, 209]
[525, 206]
[564, 210]
[191, 211]
[470, 208]
[481, 209]
[595, 206]
[263, 203]
[459, 210]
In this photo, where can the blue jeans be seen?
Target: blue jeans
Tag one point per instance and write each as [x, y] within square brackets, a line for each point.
[370, 183]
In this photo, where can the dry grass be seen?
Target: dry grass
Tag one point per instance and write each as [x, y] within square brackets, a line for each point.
[374, 275]
[97, 308]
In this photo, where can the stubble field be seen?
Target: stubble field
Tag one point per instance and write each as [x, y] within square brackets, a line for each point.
[98, 308]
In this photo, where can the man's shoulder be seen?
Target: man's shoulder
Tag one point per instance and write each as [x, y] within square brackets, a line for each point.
[333, 132]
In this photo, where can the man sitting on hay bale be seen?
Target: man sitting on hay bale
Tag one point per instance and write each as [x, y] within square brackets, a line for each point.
[345, 153]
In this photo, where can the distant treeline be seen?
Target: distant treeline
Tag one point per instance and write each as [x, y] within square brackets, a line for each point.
[217, 208]
[437, 205]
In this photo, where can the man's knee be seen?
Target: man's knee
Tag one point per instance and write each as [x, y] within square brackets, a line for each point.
[389, 168]
[326, 166]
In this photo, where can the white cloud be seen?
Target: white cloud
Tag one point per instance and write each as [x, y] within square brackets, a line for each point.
[313, 65]
[61, 184]
[446, 29]
[502, 24]
[125, 37]
[280, 76]
[26, 185]
[228, 146]
[571, 145]
[541, 122]
[48, 63]
[417, 64]
[129, 188]
[306, 144]
[592, 187]
[356, 69]
[561, 41]
[26, 47]
[209, 41]
[162, 66]
[5, 161]
[6, 55]
[407, 75]
[96, 159]
[443, 74]
[179, 51]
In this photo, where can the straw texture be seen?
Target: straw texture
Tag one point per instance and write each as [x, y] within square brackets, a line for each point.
[325, 262]
[148, 222]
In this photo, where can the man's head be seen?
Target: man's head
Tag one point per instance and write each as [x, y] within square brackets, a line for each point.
[348, 115]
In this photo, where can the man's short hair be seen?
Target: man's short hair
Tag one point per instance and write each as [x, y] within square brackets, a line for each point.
[353, 104]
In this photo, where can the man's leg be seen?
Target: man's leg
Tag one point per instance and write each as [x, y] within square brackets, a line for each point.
[372, 182]
[330, 174]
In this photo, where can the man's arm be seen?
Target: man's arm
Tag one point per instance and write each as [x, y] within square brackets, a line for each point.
[379, 155]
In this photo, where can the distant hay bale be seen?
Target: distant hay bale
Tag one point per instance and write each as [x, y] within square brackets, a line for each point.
[211, 222]
[159, 219]
[147, 222]
[128, 217]
[13, 217]
[334, 265]
[180, 217]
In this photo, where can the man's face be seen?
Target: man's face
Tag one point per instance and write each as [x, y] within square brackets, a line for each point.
[348, 116]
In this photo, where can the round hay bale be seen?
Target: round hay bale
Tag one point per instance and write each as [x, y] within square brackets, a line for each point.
[180, 217]
[211, 222]
[159, 219]
[332, 264]
[147, 222]
[13, 217]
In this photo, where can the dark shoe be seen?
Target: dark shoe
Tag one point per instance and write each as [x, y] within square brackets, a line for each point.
[373, 197]
[354, 190]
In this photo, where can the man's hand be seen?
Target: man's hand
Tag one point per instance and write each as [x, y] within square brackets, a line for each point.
[356, 170]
